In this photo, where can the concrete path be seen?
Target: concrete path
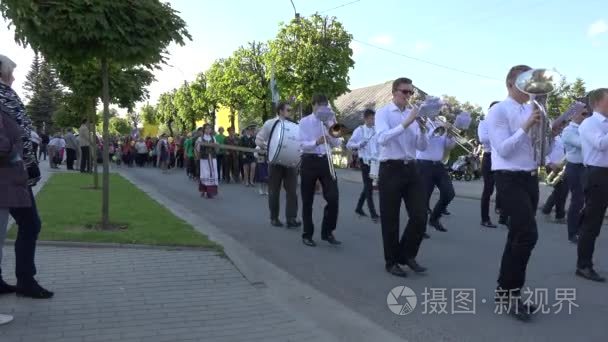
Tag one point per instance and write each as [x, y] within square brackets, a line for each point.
[352, 276]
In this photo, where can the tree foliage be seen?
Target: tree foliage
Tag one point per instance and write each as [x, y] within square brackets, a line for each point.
[149, 114]
[559, 101]
[312, 55]
[184, 107]
[223, 88]
[43, 92]
[203, 101]
[120, 126]
[166, 111]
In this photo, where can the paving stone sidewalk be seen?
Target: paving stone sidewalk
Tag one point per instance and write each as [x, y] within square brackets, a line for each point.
[130, 294]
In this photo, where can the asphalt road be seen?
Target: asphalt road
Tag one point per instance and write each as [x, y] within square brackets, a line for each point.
[466, 257]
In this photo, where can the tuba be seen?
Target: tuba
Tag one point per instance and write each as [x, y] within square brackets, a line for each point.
[538, 84]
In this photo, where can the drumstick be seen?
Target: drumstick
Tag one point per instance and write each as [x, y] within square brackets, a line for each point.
[233, 147]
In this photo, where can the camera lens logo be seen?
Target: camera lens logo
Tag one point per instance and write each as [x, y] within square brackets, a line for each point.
[401, 300]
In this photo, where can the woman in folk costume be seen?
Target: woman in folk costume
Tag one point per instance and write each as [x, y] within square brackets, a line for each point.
[209, 180]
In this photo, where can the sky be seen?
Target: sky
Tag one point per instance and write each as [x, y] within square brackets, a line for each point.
[458, 48]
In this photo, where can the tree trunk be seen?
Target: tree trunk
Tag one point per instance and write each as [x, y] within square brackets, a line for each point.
[93, 148]
[231, 119]
[170, 126]
[105, 202]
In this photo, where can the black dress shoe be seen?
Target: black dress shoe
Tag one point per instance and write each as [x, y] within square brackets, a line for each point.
[360, 212]
[437, 225]
[519, 311]
[6, 288]
[33, 290]
[375, 218]
[573, 239]
[589, 273]
[276, 223]
[396, 271]
[309, 242]
[293, 223]
[426, 236]
[502, 220]
[411, 263]
[332, 240]
[446, 213]
[488, 224]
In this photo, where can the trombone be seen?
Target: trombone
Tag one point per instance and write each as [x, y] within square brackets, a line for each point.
[442, 126]
[336, 131]
[538, 83]
[427, 111]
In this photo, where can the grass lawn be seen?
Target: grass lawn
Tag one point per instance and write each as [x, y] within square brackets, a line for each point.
[69, 209]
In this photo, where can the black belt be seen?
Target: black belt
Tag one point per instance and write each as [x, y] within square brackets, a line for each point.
[397, 162]
[434, 162]
[515, 173]
[311, 155]
[599, 168]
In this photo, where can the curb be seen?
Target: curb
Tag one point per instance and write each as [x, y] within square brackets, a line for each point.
[72, 244]
[331, 319]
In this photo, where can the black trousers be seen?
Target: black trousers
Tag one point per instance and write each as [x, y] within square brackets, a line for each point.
[397, 182]
[596, 202]
[288, 176]
[220, 167]
[85, 159]
[70, 157]
[519, 196]
[316, 168]
[28, 225]
[368, 190]
[557, 199]
[574, 178]
[488, 186]
[433, 173]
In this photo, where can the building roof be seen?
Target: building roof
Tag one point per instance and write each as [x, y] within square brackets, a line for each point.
[352, 104]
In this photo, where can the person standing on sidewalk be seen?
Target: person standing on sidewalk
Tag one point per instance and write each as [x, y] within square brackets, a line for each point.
[279, 174]
[364, 140]
[84, 140]
[25, 213]
[574, 172]
[220, 138]
[71, 149]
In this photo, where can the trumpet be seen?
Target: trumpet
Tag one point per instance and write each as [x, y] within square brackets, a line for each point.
[538, 83]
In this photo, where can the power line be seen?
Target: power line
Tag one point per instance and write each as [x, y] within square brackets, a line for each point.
[340, 6]
[427, 62]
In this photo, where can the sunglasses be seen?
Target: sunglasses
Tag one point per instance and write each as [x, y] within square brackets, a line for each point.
[406, 91]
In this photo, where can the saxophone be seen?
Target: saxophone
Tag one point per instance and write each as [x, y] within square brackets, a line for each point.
[558, 174]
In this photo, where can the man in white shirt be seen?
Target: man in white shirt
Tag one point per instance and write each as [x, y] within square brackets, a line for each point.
[399, 136]
[278, 174]
[574, 171]
[433, 173]
[594, 143]
[515, 170]
[364, 140]
[84, 141]
[315, 167]
[558, 196]
[488, 176]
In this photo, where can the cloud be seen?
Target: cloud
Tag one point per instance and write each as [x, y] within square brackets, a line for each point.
[597, 28]
[422, 46]
[382, 39]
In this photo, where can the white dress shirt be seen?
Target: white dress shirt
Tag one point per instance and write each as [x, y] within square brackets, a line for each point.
[572, 143]
[261, 139]
[310, 131]
[364, 135]
[512, 148]
[557, 153]
[484, 136]
[594, 140]
[436, 147]
[394, 141]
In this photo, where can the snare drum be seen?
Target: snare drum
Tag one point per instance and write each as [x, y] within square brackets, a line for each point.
[283, 144]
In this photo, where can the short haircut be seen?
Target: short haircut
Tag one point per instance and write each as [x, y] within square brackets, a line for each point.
[368, 112]
[319, 99]
[514, 72]
[281, 106]
[400, 81]
[595, 96]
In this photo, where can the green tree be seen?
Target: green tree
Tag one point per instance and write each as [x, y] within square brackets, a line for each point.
[224, 89]
[166, 111]
[203, 101]
[120, 126]
[73, 109]
[149, 114]
[311, 55]
[184, 106]
[128, 33]
[577, 89]
[43, 92]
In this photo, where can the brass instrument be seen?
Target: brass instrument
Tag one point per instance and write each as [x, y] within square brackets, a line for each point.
[538, 83]
[336, 130]
[443, 126]
[555, 176]
[427, 111]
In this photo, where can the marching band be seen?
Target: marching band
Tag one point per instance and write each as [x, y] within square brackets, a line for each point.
[402, 149]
